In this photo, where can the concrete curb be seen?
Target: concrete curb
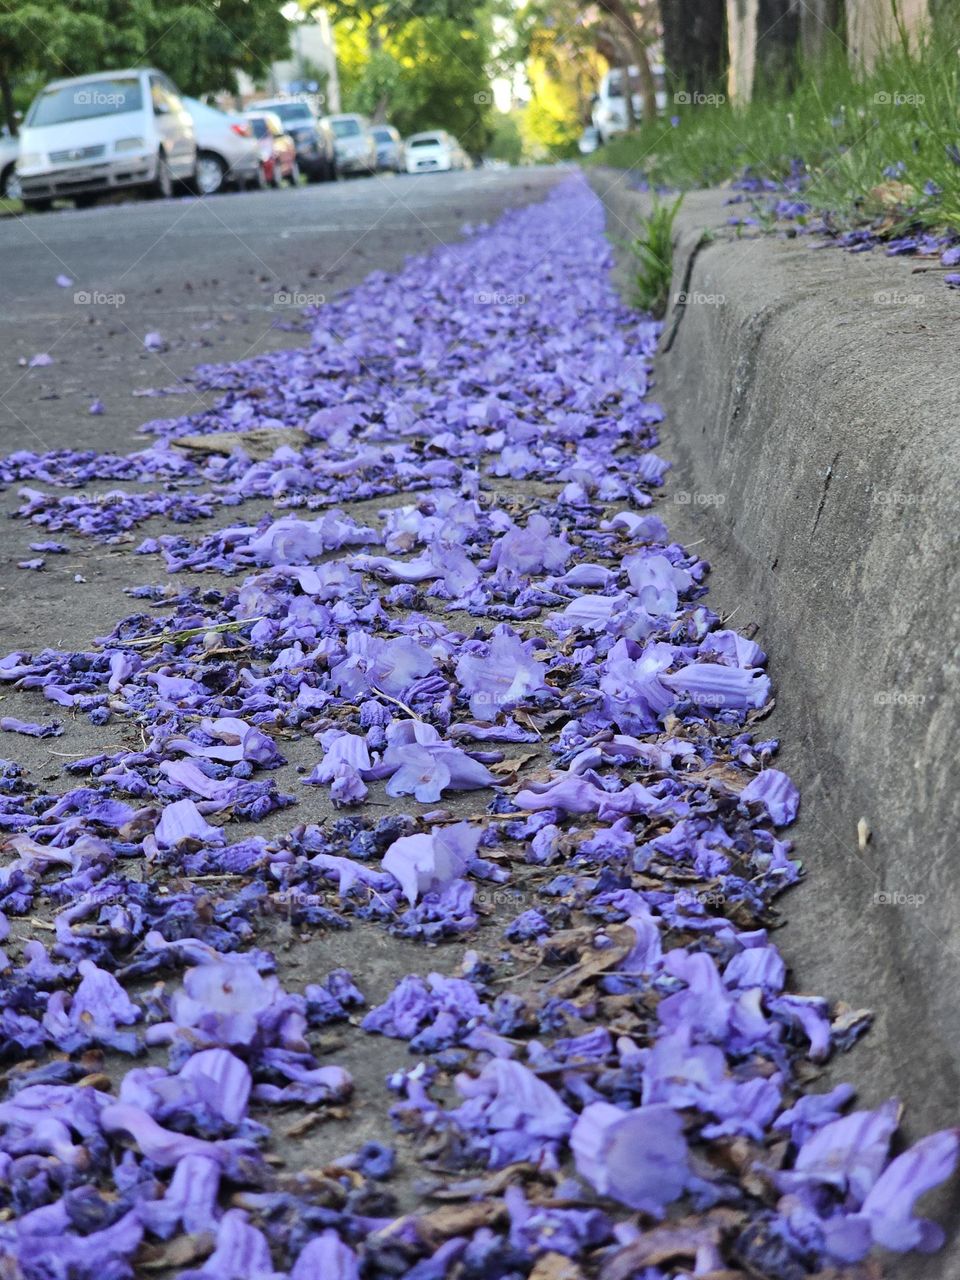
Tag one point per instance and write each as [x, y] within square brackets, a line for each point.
[812, 412]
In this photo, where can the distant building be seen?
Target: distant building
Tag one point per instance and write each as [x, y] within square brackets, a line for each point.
[311, 68]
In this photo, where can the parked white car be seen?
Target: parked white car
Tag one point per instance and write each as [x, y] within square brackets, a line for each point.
[9, 150]
[435, 152]
[112, 131]
[228, 153]
[609, 104]
[589, 141]
[355, 145]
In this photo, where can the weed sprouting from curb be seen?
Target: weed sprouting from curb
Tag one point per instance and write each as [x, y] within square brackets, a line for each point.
[653, 250]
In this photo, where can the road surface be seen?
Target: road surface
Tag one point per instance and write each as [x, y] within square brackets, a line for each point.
[214, 278]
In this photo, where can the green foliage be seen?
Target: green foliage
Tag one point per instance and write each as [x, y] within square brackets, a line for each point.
[553, 120]
[653, 250]
[879, 148]
[507, 142]
[421, 73]
[200, 45]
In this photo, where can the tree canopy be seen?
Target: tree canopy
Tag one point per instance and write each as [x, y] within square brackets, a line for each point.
[202, 45]
[421, 72]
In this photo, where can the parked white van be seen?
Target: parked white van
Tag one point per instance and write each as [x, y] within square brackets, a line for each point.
[609, 104]
[90, 135]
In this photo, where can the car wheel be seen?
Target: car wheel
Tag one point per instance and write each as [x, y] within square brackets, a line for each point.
[37, 206]
[209, 175]
[161, 188]
[10, 183]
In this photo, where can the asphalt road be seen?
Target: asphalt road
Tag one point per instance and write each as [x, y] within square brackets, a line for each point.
[214, 278]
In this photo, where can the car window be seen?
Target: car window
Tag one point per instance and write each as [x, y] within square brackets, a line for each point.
[259, 126]
[171, 90]
[85, 101]
[346, 128]
[159, 95]
[383, 135]
[291, 111]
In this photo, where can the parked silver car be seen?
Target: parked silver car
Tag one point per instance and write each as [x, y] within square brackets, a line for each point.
[228, 154]
[356, 148]
[390, 149]
[115, 130]
[9, 150]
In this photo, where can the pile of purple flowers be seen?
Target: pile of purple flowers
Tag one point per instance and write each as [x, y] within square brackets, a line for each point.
[530, 745]
[785, 202]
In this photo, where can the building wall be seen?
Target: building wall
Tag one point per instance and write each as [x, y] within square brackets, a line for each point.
[311, 44]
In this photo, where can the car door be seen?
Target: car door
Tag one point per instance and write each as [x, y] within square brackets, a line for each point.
[175, 135]
[186, 137]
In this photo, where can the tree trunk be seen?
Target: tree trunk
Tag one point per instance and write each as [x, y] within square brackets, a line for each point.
[648, 86]
[628, 96]
[625, 20]
[820, 29]
[778, 45]
[6, 98]
[694, 45]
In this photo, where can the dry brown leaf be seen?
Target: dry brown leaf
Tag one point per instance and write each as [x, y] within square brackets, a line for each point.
[470, 1188]
[678, 1240]
[555, 1266]
[505, 767]
[258, 444]
[893, 195]
[458, 1219]
[593, 963]
[180, 1252]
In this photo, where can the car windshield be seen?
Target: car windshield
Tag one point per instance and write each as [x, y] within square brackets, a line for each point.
[383, 135]
[345, 128]
[86, 100]
[289, 112]
[431, 140]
